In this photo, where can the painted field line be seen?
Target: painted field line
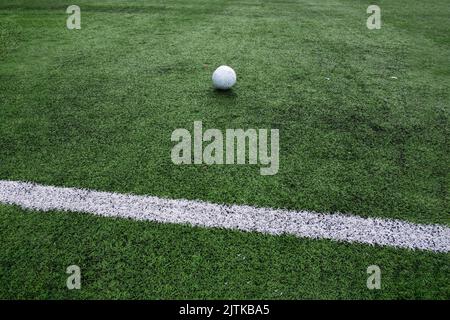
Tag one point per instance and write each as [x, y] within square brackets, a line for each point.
[307, 224]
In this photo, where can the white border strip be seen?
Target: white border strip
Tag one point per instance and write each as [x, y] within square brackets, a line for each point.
[338, 227]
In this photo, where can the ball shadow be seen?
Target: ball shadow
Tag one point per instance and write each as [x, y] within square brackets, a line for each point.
[223, 94]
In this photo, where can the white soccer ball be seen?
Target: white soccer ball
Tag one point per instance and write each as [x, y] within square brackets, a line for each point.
[224, 78]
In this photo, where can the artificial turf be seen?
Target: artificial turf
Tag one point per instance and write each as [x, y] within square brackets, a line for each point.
[134, 260]
[363, 118]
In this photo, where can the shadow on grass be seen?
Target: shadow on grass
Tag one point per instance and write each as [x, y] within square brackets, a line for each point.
[223, 94]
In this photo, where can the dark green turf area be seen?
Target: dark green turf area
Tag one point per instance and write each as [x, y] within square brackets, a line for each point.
[96, 107]
[134, 260]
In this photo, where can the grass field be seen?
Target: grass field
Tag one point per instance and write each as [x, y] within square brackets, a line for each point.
[364, 125]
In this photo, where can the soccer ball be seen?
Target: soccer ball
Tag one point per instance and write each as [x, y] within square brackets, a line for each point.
[224, 78]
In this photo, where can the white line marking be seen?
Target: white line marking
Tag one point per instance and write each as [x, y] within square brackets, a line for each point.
[337, 227]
